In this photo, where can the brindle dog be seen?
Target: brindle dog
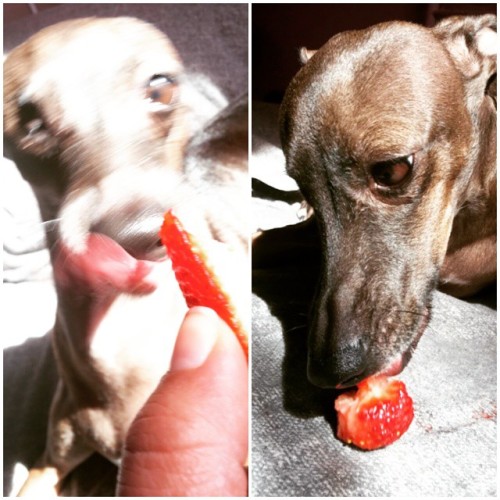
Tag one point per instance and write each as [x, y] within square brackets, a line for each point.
[390, 133]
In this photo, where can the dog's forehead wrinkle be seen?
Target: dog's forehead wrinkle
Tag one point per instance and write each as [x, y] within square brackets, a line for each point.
[366, 134]
[373, 131]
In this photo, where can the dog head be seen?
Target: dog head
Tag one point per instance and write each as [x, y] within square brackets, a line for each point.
[380, 129]
[95, 118]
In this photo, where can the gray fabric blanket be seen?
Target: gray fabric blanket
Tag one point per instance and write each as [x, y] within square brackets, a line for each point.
[450, 448]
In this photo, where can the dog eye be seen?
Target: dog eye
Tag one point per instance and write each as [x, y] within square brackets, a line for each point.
[30, 118]
[161, 90]
[392, 173]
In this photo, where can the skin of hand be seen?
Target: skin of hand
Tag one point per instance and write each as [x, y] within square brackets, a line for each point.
[191, 436]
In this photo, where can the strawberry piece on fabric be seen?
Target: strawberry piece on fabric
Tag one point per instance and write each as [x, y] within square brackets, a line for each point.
[375, 415]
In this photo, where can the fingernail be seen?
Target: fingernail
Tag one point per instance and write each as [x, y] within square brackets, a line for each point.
[196, 339]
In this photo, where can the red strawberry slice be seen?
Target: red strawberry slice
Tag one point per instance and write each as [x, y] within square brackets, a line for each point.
[196, 279]
[375, 415]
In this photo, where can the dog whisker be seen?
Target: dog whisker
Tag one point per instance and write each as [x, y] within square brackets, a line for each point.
[294, 328]
[51, 225]
[406, 311]
[415, 313]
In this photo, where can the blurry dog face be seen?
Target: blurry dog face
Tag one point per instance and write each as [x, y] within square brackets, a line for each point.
[94, 117]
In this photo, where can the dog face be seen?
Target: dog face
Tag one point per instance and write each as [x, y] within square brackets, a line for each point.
[377, 133]
[94, 116]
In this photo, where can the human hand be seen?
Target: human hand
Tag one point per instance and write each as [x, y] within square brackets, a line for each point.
[191, 437]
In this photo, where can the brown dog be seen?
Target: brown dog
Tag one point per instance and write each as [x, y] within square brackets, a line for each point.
[390, 133]
[97, 119]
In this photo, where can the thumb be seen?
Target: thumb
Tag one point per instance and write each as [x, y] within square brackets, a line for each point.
[191, 437]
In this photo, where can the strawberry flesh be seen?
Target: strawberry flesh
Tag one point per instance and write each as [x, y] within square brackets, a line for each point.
[197, 281]
[375, 415]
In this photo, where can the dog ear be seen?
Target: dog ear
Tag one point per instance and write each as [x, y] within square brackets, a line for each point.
[472, 44]
[306, 54]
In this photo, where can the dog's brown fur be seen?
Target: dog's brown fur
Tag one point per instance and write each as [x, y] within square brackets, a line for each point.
[395, 93]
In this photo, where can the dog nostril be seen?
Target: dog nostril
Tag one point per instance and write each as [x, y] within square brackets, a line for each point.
[135, 227]
[142, 241]
[342, 367]
[143, 246]
[352, 381]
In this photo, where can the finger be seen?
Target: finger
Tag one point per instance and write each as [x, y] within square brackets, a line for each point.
[191, 437]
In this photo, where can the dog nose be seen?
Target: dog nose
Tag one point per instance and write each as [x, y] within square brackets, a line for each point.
[136, 229]
[343, 366]
[142, 241]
